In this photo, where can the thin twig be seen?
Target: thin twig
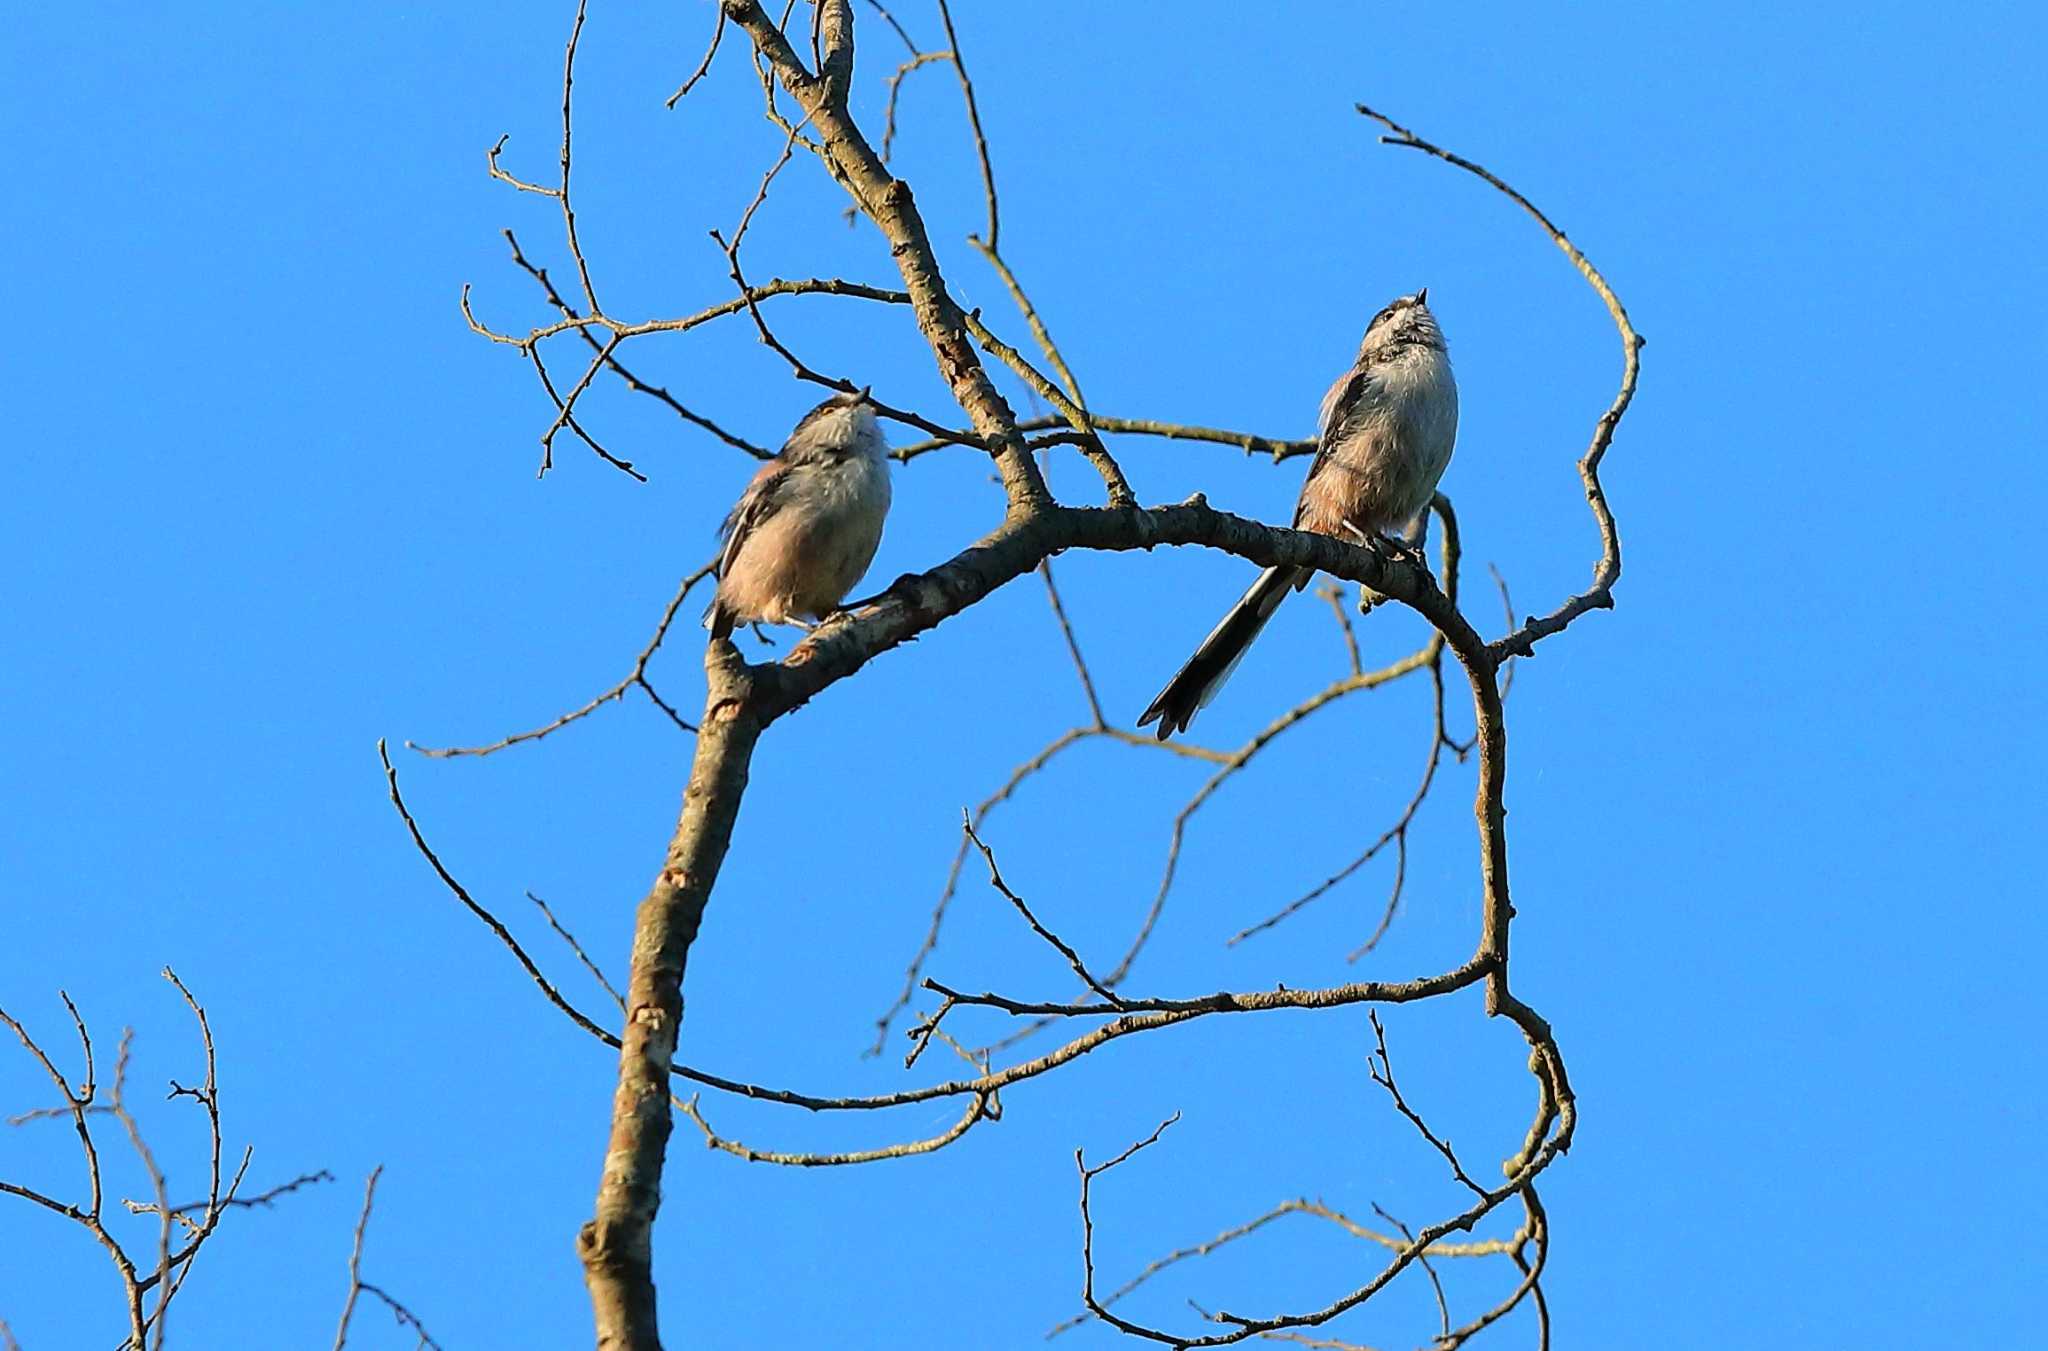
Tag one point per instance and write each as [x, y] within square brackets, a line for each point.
[988, 174]
[1030, 767]
[355, 1259]
[704, 66]
[632, 381]
[568, 210]
[265, 1200]
[879, 8]
[637, 676]
[1298, 1206]
[977, 1110]
[491, 921]
[1507, 605]
[1088, 1176]
[405, 1317]
[1382, 1071]
[1396, 834]
[1334, 594]
[995, 879]
[916, 61]
[749, 297]
[577, 948]
[1607, 571]
[1059, 612]
[1248, 442]
[1443, 1308]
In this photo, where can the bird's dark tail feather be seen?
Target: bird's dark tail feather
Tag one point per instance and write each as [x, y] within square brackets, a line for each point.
[1197, 682]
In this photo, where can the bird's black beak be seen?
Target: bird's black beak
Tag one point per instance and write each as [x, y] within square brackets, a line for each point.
[1422, 296]
[866, 394]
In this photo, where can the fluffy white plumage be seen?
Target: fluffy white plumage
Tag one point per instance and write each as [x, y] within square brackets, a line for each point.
[1386, 430]
[808, 524]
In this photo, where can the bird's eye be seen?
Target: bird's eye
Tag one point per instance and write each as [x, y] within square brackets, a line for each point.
[1380, 318]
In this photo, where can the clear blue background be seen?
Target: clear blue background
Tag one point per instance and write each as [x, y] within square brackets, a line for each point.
[1774, 818]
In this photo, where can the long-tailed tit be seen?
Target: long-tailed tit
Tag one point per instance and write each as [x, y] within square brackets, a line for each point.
[1386, 433]
[807, 526]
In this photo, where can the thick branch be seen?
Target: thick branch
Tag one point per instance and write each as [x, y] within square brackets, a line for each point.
[917, 603]
[616, 1246]
[887, 201]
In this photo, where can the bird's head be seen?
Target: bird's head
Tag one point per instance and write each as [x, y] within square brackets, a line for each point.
[842, 422]
[1406, 321]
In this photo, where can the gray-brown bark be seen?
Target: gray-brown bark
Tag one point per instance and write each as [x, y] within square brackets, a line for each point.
[616, 1245]
[744, 701]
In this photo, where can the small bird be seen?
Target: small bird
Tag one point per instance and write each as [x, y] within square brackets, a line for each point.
[808, 524]
[1385, 435]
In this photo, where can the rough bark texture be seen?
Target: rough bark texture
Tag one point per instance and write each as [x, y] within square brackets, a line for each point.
[616, 1245]
[887, 201]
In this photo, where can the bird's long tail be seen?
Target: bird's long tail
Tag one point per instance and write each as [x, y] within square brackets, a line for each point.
[1197, 682]
[719, 618]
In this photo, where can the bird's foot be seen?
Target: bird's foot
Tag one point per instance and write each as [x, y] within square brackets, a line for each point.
[1408, 551]
[836, 615]
[1388, 546]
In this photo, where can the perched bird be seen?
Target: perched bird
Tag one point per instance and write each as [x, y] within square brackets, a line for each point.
[807, 526]
[1386, 433]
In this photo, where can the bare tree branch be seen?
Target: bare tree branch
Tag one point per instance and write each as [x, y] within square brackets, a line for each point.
[1600, 595]
[357, 1286]
[1299, 1206]
[744, 700]
[179, 1235]
[995, 879]
[703, 67]
[637, 676]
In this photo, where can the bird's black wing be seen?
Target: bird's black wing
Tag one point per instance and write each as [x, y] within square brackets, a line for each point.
[763, 498]
[1355, 389]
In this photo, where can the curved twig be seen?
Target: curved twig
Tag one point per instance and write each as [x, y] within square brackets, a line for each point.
[637, 676]
[1600, 595]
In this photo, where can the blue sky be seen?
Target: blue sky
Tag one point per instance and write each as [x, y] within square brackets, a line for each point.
[270, 501]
